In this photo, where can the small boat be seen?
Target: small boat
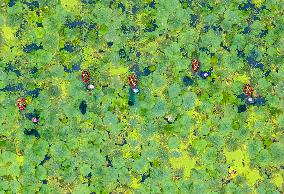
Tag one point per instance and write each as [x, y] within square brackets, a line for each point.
[133, 81]
[195, 65]
[248, 90]
[86, 76]
[21, 103]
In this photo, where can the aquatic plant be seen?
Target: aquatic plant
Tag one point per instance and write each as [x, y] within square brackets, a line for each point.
[183, 132]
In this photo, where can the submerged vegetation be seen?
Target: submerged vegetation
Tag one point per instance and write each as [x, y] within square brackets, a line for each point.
[214, 128]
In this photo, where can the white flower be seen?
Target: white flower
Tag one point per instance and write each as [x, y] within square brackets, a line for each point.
[250, 99]
[91, 87]
[135, 90]
[170, 118]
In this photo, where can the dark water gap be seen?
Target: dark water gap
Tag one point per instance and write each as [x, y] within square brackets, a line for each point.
[32, 132]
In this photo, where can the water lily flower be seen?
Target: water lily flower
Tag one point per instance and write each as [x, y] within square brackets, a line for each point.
[250, 100]
[135, 90]
[169, 118]
[91, 87]
[34, 120]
